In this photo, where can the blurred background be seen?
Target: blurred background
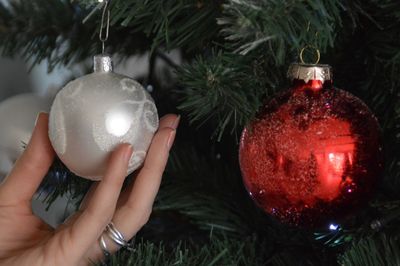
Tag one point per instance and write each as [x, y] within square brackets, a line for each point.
[16, 80]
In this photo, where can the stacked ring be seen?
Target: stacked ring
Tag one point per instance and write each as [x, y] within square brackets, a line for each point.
[104, 247]
[116, 236]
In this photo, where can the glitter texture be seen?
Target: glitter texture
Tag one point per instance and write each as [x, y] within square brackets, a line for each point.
[312, 154]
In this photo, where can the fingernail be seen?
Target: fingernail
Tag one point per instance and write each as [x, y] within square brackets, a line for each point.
[175, 124]
[127, 152]
[37, 117]
[171, 139]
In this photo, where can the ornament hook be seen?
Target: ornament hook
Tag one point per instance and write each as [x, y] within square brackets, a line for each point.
[104, 29]
[315, 50]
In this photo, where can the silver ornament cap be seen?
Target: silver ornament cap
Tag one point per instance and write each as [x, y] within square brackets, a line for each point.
[307, 72]
[94, 114]
[102, 63]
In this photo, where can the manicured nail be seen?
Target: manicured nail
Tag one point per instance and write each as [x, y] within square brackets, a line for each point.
[175, 124]
[171, 139]
[127, 152]
[37, 117]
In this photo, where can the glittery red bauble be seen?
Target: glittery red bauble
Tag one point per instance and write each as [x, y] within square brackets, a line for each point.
[312, 154]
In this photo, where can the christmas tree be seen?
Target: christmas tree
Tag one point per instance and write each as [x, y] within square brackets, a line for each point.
[235, 56]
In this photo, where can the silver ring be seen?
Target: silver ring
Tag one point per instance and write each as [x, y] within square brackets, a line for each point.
[116, 236]
[114, 231]
[103, 247]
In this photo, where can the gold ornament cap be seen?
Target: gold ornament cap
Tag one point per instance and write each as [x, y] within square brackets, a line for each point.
[307, 72]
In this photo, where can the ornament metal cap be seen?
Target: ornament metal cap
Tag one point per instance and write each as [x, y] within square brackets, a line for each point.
[102, 63]
[307, 72]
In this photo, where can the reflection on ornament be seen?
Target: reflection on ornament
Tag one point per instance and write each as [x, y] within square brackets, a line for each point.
[312, 154]
[117, 124]
[333, 156]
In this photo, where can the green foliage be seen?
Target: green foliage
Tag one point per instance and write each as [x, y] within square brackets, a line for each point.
[191, 183]
[192, 186]
[249, 24]
[59, 182]
[58, 35]
[40, 36]
[335, 237]
[227, 88]
[216, 252]
[184, 24]
[373, 251]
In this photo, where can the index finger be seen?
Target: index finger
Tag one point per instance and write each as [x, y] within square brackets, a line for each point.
[93, 220]
[134, 213]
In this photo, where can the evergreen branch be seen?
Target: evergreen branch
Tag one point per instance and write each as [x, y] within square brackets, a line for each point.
[185, 24]
[60, 37]
[225, 90]
[30, 29]
[250, 24]
[336, 237]
[218, 251]
[372, 251]
[59, 181]
[193, 181]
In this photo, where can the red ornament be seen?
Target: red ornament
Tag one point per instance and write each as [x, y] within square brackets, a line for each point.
[313, 153]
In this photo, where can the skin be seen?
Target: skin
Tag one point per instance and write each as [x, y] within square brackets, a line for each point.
[25, 239]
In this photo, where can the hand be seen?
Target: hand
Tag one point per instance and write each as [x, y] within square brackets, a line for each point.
[27, 240]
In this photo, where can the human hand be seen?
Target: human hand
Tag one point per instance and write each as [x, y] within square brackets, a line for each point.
[25, 239]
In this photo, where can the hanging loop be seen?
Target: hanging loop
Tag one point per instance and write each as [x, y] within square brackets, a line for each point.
[105, 25]
[311, 47]
[315, 49]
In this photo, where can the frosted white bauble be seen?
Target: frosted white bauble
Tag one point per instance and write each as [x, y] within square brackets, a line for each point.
[95, 113]
[17, 120]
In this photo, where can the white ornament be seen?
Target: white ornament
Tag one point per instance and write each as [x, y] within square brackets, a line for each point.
[17, 120]
[95, 113]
